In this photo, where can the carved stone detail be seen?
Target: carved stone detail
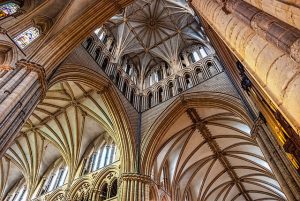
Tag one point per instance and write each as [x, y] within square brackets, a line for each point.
[136, 177]
[35, 68]
[295, 50]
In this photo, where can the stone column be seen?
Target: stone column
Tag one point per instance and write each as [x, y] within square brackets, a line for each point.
[280, 34]
[95, 195]
[276, 158]
[135, 187]
[21, 89]
[268, 64]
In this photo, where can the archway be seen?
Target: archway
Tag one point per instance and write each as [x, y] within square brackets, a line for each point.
[206, 141]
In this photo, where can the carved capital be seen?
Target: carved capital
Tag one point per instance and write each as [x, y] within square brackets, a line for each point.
[35, 68]
[2, 30]
[256, 23]
[136, 177]
[254, 131]
[295, 50]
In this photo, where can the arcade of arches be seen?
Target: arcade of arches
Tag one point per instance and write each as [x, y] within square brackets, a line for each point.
[149, 100]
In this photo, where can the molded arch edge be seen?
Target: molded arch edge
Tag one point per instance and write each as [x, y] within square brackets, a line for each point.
[98, 81]
[168, 117]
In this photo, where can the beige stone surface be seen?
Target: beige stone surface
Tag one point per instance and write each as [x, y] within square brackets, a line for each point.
[270, 67]
[283, 11]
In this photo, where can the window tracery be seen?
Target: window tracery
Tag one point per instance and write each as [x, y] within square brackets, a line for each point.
[101, 157]
[27, 37]
[19, 194]
[114, 189]
[188, 81]
[8, 9]
[56, 179]
[171, 93]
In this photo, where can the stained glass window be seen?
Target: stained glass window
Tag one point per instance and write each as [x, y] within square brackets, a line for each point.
[8, 9]
[27, 37]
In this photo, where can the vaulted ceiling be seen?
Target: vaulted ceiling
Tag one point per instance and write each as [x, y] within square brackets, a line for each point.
[151, 31]
[210, 155]
[63, 125]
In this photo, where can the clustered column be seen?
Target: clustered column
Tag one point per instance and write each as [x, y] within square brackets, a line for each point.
[280, 34]
[21, 88]
[276, 158]
[267, 47]
[134, 187]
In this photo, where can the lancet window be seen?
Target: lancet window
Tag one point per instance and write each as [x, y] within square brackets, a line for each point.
[8, 9]
[19, 194]
[27, 37]
[103, 156]
[55, 179]
[109, 191]
[188, 81]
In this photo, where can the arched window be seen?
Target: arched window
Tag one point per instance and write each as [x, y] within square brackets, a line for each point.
[103, 192]
[199, 73]
[168, 71]
[114, 189]
[56, 179]
[195, 56]
[182, 60]
[125, 87]
[171, 89]
[101, 157]
[150, 96]
[88, 43]
[212, 68]
[19, 193]
[132, 96]
[105, 63]
[117, 80]
[191, 58]
[188, 81]
[159, 75]
[203, 52]
[128, 69]
[98, 53]
[104, 39]
[160, 95]
[27, 37]
[151, 79]
[8, 9]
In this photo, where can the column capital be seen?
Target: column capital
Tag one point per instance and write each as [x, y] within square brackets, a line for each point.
[258, 122]
[136, 177]
[295, 50]
[35, 68]
[2, 30]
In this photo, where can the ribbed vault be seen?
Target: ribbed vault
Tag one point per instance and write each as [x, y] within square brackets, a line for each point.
[62, 127]
[70, 114]
[150, 31]
[9, 175]
[205, 152]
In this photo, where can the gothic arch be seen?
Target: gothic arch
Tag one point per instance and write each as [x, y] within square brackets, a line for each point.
[123, 131]
[166, 119]
[81, 188]
[8, 54]
[107, 176]
[203, 134]
[57, 196]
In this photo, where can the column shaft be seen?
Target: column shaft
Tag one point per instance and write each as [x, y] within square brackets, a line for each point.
[265, 62]
[135, 186]
[275, 156]
[20, 91]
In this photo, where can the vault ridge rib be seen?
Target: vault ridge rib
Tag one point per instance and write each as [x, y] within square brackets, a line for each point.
[216, 149]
